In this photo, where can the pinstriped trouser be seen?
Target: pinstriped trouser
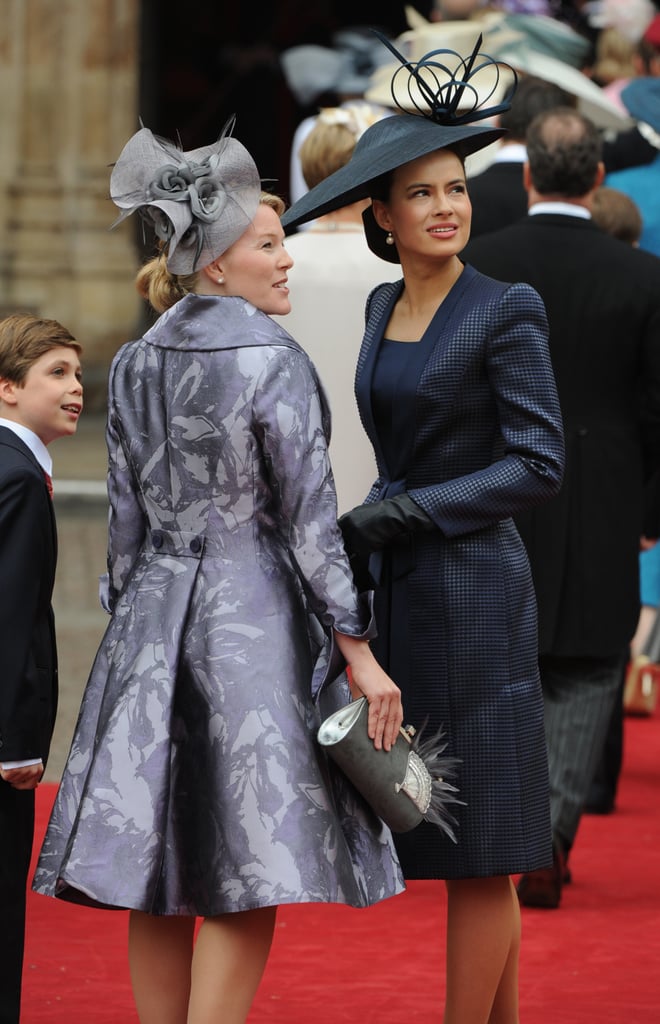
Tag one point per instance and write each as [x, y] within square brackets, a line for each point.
[578, 697]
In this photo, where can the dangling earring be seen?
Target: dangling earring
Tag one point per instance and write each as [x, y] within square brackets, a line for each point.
[389, 238]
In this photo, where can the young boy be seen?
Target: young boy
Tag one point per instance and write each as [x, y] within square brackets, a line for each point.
[40, 400]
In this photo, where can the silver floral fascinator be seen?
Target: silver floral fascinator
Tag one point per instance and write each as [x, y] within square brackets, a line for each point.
[198, 202]
[444, 99]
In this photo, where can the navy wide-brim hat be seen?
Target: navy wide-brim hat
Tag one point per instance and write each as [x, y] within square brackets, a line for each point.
[436, 88]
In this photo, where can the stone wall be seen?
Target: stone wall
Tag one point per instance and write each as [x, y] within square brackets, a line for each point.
[68, 81]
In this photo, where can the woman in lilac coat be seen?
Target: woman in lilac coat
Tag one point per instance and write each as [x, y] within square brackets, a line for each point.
[194, 786]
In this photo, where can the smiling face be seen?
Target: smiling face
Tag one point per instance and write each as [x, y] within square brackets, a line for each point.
[428, 210]
[256, 266]
[48, 401]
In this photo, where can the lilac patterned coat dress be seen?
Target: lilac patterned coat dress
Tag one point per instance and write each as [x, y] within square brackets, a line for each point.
[194, 784]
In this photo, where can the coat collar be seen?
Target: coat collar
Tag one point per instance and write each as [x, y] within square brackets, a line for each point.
[10, 438]
[205, 323]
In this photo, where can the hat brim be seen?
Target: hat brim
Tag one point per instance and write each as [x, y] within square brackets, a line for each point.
[591, 100]
[641, 97]
[388, 144]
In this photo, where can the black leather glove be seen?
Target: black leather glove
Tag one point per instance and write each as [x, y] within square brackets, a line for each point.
[369, 528]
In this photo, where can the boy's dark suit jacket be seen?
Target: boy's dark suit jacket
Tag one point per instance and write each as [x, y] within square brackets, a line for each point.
[603, 303]
[28, 554]
[28, 682]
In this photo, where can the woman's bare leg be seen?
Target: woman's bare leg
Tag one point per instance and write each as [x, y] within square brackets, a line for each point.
[229, 959]
[160, 955]
[483, 941]
[505, 1004]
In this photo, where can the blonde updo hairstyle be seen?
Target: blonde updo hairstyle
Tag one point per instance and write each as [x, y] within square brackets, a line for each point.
[327, 148]
[161, 288]
[331, 141]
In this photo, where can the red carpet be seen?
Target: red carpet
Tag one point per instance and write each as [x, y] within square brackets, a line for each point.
[596, 960]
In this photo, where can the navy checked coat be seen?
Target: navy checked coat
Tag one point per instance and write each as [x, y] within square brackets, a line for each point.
[477, 438]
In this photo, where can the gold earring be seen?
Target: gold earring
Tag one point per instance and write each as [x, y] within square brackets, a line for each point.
[389, 238]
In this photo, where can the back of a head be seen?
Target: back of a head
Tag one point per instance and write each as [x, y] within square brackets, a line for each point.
[614, 57]
[617, 214]
[532, 97]
[331, 142]
[564, 151]
[327, 148]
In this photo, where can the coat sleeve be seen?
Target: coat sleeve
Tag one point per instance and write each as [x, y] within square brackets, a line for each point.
[127, 520]
[522, 383]
[292, 430]
[24, 520]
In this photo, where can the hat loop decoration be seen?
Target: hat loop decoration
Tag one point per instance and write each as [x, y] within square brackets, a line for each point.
[436, 90]
[439, 122]
[198, 203]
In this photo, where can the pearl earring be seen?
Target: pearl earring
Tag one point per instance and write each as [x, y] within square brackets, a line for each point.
[389, 239]
[221, 280]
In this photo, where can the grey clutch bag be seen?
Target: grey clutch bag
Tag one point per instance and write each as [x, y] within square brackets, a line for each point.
[405, 785]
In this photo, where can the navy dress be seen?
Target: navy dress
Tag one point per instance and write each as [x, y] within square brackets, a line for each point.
[467, 421]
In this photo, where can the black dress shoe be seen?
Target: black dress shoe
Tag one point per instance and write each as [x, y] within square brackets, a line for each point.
[542, 888]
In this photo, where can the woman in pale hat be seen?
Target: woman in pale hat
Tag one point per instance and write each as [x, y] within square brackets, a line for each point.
[457, 395]
[194, 787]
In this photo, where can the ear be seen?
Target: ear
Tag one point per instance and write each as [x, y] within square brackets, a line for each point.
[8, 391]
[381, 214]
[214, 271]
[527, 178]
[600, 175]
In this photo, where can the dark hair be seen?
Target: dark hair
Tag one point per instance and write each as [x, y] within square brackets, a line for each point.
[532, 97]
[563, 151]
[649, 55]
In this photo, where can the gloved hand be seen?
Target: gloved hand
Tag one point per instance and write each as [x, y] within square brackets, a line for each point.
[369, 528]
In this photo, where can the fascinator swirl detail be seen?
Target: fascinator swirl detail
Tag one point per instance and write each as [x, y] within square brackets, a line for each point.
[198, 202]
[449, 89]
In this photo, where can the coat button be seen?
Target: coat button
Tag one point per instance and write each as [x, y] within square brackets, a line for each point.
[157, 539]
[195, 545]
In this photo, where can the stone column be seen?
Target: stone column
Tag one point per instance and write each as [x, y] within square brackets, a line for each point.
[68, 81]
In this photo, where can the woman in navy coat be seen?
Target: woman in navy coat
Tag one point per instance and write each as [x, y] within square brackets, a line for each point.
[456, 393]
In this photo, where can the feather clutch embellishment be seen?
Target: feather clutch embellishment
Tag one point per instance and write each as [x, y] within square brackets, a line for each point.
[405, 785]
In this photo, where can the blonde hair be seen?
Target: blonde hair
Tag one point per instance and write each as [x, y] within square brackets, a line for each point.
[615, 57]
[331, 142]
[327, 148]
[161, 288]
[24, 338]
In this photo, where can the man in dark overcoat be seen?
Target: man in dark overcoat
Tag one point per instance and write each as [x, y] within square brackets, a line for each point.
[498, 195]
[603, 303]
